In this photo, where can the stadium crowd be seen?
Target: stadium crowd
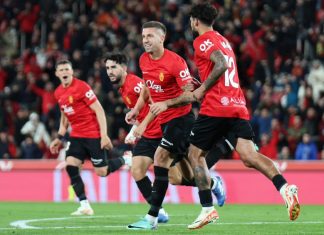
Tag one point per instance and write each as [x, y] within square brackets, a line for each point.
[279, 47]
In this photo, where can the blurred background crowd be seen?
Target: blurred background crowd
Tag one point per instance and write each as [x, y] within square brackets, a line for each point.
[279, 47]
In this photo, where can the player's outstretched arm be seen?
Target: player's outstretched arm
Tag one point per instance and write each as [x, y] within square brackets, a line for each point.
[57, 142]
[101, 118]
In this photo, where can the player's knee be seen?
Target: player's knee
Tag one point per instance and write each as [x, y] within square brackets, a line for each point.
[138, 173]
[196, 155]
[175, 175]
[162, 158]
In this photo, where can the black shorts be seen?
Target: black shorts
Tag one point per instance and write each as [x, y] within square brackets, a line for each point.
[176, 134]
[146, 147]
[209, 130]
[82, 148]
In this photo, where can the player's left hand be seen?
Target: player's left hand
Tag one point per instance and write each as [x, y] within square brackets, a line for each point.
[105, 142]
[158, 107]
[55, 146]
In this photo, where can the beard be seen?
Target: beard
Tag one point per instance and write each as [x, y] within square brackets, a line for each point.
[194, 34]
[116, 81]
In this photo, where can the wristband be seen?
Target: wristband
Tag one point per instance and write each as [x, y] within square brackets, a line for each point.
[60, 137]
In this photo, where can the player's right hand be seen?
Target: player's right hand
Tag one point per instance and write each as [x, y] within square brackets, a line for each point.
[158, 107]
[105, 142]
[130, 117]
[55, 146]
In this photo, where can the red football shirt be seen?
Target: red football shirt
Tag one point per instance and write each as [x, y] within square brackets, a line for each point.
[130, 92]
[165, 77]
[74, 101]
[226, 98]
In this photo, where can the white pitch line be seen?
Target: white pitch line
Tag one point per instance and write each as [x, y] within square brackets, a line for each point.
[23, 224]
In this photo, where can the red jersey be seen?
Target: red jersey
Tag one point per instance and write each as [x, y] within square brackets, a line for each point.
[130, 92]
[225, 98]
[74, 101]
[165, 77]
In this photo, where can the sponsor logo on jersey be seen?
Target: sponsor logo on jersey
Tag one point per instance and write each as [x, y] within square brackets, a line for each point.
[238, 101]
[90, 94]
[71, 99]
[138, 87]
[156, 88]
[68, 110]
[96, 161]
[206, 45]
[161, 77]
[225, 101]
[185, 74]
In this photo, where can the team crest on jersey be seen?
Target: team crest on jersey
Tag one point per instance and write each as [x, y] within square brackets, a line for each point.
[71, 99]
[161, 76]
[128, 100]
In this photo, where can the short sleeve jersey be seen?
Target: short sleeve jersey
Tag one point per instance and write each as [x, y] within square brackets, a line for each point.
[225, 99]
[75, 101]
[130, 92]
[164, 77]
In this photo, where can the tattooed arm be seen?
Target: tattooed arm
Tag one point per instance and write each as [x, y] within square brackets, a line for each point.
[220, 66]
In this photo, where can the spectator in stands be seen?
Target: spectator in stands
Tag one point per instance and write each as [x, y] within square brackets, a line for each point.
[36, 129]
[27, 20]
[295, 132]
[311, 122]
[29, 149]
[4, 146]
[289, 98]
[306, 149]
[263, 121]
[284, 154]
[269, 143]
[7, 146]
[19, 122]
[46, 94]
[305, 96]
[316, 79]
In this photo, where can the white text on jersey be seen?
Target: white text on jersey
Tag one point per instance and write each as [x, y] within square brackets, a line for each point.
[206, 45]
[138, 87]
[157, 88]
[68, 110]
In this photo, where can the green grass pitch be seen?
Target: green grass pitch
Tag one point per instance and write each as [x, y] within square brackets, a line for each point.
[54, 218]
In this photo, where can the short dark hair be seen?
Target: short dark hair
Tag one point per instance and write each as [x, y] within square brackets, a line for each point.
[118, 57]
[205, 12]
[155, 24]
[59, 62]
